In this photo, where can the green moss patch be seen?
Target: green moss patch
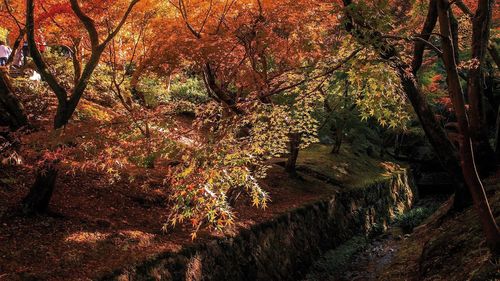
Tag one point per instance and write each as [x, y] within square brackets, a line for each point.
[347, 168]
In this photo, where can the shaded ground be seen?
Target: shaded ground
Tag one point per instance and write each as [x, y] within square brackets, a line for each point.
[447, 246]
[96, 227]
[350, 168]
[364, 258]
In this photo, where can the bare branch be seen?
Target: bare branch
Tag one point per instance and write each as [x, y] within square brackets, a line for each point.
[122, 22]
[11, 14]
[419, 48]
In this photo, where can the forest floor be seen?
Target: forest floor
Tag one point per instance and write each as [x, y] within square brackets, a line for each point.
[446, 246]
[95, 227]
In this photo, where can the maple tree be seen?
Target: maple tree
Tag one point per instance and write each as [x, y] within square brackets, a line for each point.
[67, 104]
[259, 79]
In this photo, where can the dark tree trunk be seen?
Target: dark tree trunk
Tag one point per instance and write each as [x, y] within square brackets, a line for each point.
[77, 66]
[497, 136]
[218, 93]
[66, 108]
[339, 133]
[291, 163]
[494, 54]
[12, 110]
[438, 139]
[467, 129]
[437, 136]
[419, 48]
[67, 104]
[38, 199]
[490, 89]
[233, 194]
[432, 129]
[475, 90]
[485, 156]
[62, 115]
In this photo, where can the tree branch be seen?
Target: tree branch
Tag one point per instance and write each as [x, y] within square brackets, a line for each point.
[88, 23]
[120, 25]
[59, 91]
[419, 48]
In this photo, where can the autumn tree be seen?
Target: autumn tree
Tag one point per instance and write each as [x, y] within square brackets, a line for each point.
[13, 114]
[264, 68]
[68, 101]
[361, 25]
[39, 197]
[12, 19]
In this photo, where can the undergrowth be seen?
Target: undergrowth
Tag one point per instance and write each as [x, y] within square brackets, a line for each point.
[335, 261]
[416, 216]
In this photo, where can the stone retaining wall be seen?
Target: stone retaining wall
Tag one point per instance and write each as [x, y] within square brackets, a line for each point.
[285, 247]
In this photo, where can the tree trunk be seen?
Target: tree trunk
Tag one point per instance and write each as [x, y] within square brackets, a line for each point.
[479, 197]
[291, 163]
[218, 93]
[466, 149]
[77, 65]
[134, 82]
[497, 136]
[13, 110]
[437, 137]
[339, 133]
[62, 117]
[38, 199]
[67, 105]
[15, 47]
[494, 54]
[475, 91]
[425, 34]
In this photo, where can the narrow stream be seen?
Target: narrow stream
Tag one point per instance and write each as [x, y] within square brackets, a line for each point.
[357, 259]
[364, 259]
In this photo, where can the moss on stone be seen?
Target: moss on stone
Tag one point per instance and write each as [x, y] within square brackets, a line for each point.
[351, 170]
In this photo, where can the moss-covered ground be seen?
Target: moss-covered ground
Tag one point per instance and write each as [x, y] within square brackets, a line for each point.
[348, 168]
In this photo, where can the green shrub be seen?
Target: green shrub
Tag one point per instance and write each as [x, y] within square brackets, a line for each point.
[154, 90]
[413, 218]
[191, 90]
